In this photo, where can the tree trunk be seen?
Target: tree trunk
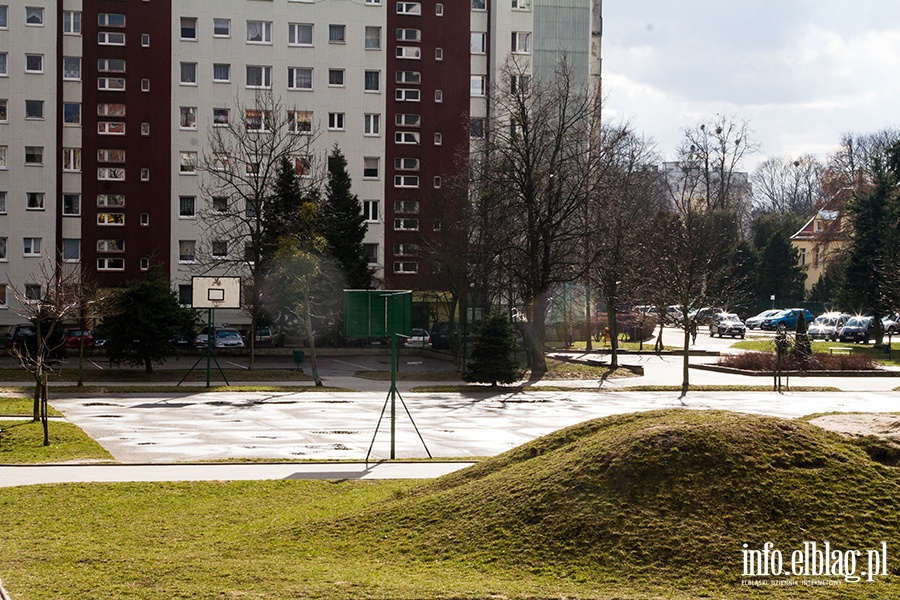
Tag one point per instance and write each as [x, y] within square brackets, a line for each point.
[36, 415]
[44, 418]
[587, 317]
[612, 320]
[313, 363]
[685, 381]
[538, 320]
[148, 366]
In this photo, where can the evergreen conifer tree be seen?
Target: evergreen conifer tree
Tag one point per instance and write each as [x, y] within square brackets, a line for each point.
[343, 224]
[491, 353]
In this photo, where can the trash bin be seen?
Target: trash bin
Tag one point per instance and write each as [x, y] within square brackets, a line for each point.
[298, 356]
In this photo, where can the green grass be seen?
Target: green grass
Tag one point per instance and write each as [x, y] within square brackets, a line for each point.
[168, 389]
[22, 443]
[21, 406]
[639, 506]
[70, 373]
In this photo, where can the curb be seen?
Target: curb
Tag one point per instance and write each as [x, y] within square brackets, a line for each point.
[733, 371]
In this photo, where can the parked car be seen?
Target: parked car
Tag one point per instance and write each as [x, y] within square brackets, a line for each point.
[826, 326]
[180, 339]
[229, 338]
[786, 319]
[891, 324]
[100, 337]
[754, 322]
[727, 324]
[857, 329]
[22, 340]
[17, 334]
[419, 338]
[267, 337]
[76, 337]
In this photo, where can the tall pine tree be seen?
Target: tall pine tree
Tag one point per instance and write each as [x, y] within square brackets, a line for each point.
[343, 224]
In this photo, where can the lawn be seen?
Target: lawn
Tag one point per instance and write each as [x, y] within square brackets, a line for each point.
[21, 442]
[640, 506]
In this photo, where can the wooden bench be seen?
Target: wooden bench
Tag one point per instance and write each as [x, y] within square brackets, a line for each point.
[840, 350]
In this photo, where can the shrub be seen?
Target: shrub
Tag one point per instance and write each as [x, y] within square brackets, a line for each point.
[765, 361]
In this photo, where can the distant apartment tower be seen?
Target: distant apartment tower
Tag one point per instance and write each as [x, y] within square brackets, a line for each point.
[106, 108]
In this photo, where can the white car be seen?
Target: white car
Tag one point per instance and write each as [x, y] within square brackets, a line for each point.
[419, 339]
[754, 322]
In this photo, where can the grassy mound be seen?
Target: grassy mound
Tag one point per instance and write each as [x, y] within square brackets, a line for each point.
[668, 493]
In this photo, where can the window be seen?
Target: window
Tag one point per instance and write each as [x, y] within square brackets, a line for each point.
[145, 85]
[406, 137]
[438, 138]
[437, 225]
[302, 165]
[411, 52]
[406, 266]
[371, 252]
[407, 120]
[259, 32]
[221, 72]
[373, 38]
[476, 127]
[300, 78]
[32, 246]
[34, 155]
[476, 85]
[438, 95]
[3, 257]
[258, 120]
[110, 245]
[406, 181]
[71, 205]
[3, 67]
[220, 204]
[32, 292]
[187, 206]
[187, 251]
[188, 117]
[3, 161]
[373, 2]
[372, 81]
[336, 77]
[300, 34]
[405, 249]
[336, 34]
[406, 206]
[336, 121]
[110, 200]
[110, 110]
[372, 124]
[145, 174]
[221, 27]
[72, 159]
[110, 218]
[436, 183]
[110, 174]
[110, 264]
[71, 250]
[185, 294]
[439, 9]
[4, 116]
[113, 84]
[371, 167]
[145, 40]
[519, 84]
[72, 68]
[259, 76]
[220, 117]
[188, 28]
[406, 224]
[113, 38]
[4, 17]
[189, 72]
[406, 164]
[521, 42]
[111, 127]
[478, 43]
[34, 15]
[34, 63]
[410, 77]
[409, 35]
[145, 219]
[2, 203]
[110, 20]
[188, 162]
[478, 4]
[370, 210]
[34, 109]
[438, 54]
[300, 121]
[111, 65]
[409, 8]
[407, 95]
[34, 201]
[219, 249]
[521, 4]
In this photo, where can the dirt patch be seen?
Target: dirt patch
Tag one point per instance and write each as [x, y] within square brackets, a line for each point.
[883, 425]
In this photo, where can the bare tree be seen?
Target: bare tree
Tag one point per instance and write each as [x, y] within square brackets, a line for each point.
[534, 184]
[241, 168]
[854, 164]
[623, 201]
[782, 185]
[39, 350]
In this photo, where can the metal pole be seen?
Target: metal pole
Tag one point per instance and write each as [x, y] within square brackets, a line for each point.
[393, 391]
[209, 342]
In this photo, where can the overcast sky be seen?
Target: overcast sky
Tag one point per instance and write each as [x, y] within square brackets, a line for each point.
[802, 72]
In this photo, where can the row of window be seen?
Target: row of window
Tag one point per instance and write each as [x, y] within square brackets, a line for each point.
[298, 34]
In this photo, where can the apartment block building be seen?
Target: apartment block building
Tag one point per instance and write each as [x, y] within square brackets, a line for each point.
[106, 108]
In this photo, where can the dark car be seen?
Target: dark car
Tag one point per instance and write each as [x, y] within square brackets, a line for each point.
[17, 335]
[180, 339]
[786, 319]
[22, 340]
[857, 329]
[727, 324]
[267, 337]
